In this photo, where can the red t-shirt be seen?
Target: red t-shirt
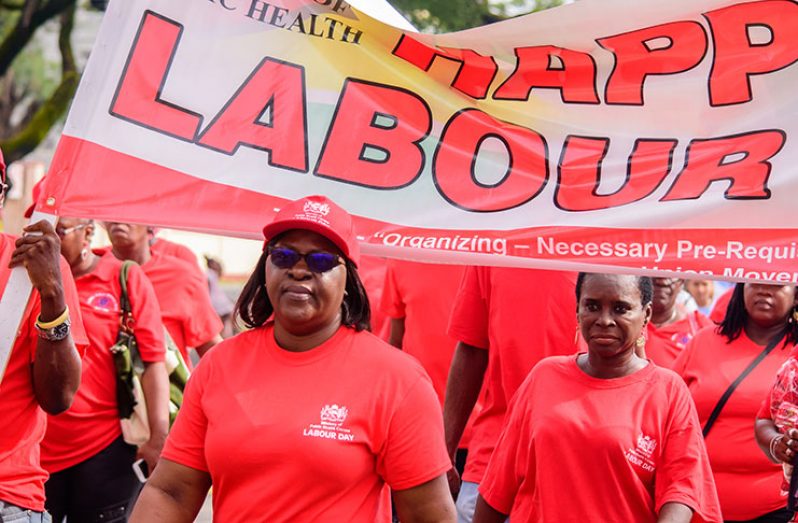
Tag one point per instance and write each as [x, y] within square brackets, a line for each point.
[23, 422]
[423, 295]
[176, 250]
[309, 436]
[92, 422]
[719, 309]
[521, 316]
[185, 302]
[372, 273]
[748, 483]
[665, 343]
[579, 448]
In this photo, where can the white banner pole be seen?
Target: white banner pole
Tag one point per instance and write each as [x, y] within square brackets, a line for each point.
[13, 302]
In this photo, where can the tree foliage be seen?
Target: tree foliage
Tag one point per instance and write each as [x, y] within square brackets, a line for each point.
[29, 106]
[454, 15]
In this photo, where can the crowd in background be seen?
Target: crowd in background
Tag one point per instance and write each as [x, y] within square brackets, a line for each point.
[529, 394]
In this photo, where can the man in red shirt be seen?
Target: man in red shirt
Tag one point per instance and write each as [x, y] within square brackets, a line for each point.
[43, 369]
[182, 291]
[506, 320]
[372, 274]
[418, 299]
[672, 325]
[170, 248]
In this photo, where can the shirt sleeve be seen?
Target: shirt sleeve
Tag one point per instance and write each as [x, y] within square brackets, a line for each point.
[414, 451]
[684, 475]
[764, 408]
[186, 441]
[509, 462]
[202, 323]
[469, 319]
[78, 332]
[148, 326]
[391, 303]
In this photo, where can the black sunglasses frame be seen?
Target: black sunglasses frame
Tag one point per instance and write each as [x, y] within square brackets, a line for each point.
[312, 259]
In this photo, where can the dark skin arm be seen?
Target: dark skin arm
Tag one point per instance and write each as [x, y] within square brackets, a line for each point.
[484, 513]
[155, 384]
[56, 368]
[462, 390]
[675, 513]
[397, 332]
[173, 493]
[205, 347]
[429, 502]
[785, 447]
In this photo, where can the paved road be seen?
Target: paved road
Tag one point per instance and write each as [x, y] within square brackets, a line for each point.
[206, 514]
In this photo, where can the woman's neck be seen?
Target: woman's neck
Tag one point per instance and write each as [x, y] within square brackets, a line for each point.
[85, 265]
[617, 366]
[303, 342]
[666, 316]
[137, 253]
[762, 335]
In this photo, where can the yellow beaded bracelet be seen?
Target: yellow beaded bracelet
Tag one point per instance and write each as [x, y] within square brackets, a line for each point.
[64, 316]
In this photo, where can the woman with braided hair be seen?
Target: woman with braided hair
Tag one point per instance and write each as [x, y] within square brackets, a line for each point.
[757, 336]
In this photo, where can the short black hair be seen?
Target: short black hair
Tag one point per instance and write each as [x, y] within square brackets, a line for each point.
[254, 308]
[644, 284]
[734, 321]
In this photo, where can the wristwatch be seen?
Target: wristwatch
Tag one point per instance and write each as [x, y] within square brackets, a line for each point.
[57, 333]
[55, 330]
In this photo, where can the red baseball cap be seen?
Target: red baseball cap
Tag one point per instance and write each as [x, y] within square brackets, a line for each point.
[321, 215]
[35, 194]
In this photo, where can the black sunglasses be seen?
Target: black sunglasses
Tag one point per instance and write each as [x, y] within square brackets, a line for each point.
[285, 258]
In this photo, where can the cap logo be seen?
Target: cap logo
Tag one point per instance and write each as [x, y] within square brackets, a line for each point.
[317, 208]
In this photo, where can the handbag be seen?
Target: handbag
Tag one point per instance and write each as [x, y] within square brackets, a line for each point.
[129, 367]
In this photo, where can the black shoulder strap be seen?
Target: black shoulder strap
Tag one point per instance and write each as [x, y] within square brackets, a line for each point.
[726, 395]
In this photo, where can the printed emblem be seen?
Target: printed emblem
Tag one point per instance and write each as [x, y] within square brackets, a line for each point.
[643, 455]
[103, 301]
[646, 445]
[331, 425]
[681, 339]
[333, 415]
[314, 212]
[317, 208]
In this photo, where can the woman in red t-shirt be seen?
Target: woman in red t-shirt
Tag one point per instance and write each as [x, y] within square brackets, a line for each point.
[671, 326]
[601, 436]
[90, 465]
[748, 483]
[307, 416]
